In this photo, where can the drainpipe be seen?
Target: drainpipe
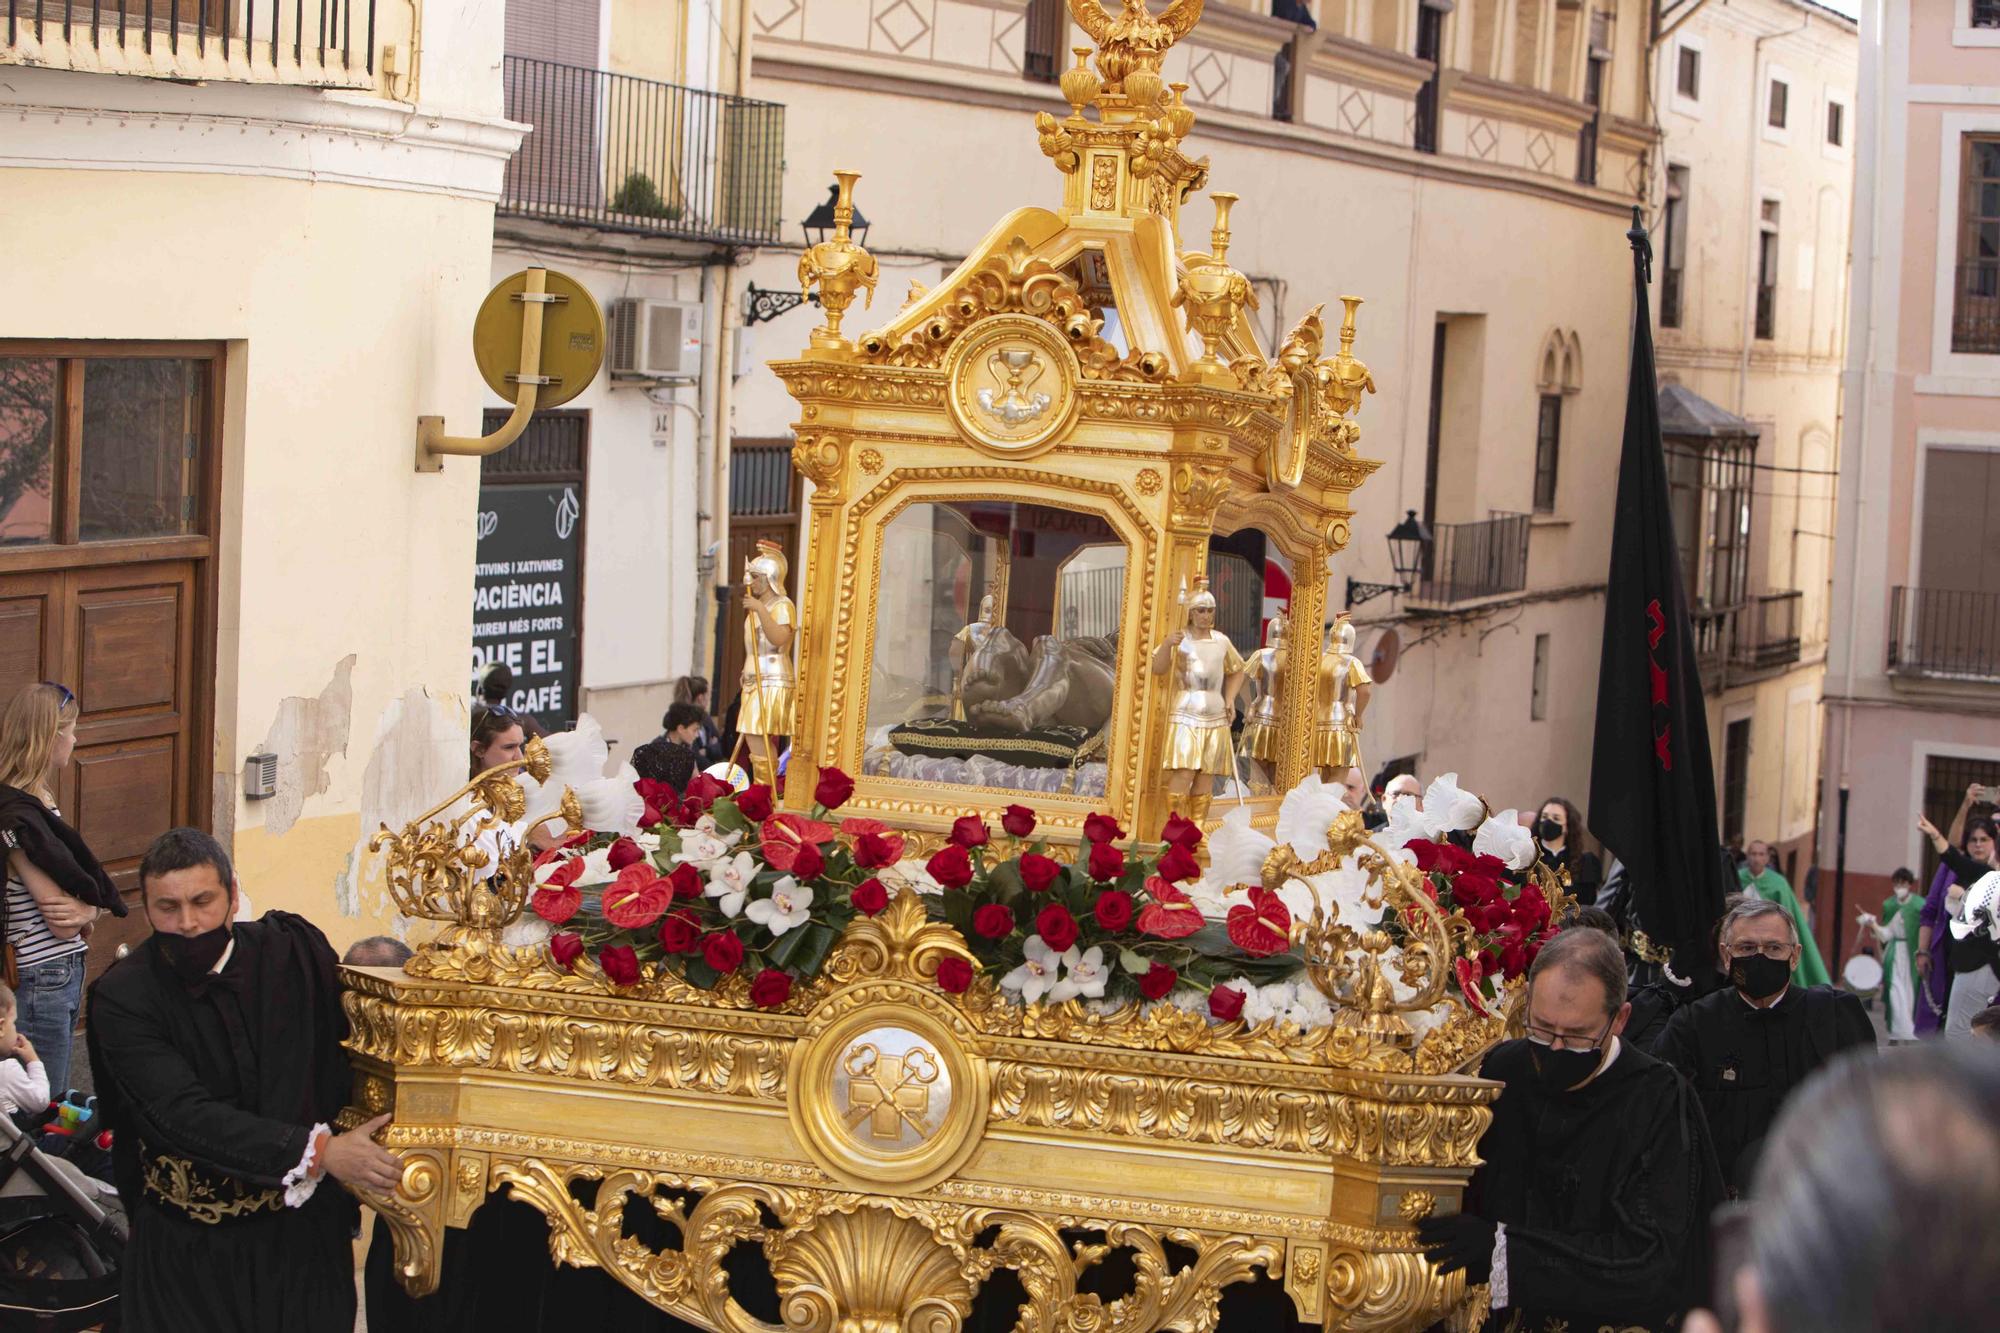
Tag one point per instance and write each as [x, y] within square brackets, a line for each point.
[711, 535]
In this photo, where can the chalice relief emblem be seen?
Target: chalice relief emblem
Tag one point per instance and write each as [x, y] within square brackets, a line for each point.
[1013, 402]
[889, 1095]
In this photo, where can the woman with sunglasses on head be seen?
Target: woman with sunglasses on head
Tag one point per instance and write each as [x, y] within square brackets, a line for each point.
[498, 737]
[55, 887]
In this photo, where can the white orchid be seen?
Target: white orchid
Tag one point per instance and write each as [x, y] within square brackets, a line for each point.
[702, 850]
[1451, 806]
[706, 824]
[729, 881]
[1041, 974]
[1087, 975]
[1503, 836]
[789, 905]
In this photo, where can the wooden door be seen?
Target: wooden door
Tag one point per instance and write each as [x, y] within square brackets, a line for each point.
[121, 636]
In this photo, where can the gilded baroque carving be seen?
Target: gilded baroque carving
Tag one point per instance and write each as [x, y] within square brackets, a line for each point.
[821, 459]
[871, 461]
[1148, 481]
[1198, 489]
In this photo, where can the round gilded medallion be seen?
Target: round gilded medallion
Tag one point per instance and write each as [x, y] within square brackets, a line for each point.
[887, 1095]
[1013, 384]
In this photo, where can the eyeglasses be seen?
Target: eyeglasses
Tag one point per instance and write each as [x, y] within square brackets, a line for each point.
[1563, 1041]
[68, 695]
[1770, 949]
[497, 710]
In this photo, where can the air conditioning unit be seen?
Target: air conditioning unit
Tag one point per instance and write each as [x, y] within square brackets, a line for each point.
[655, 340]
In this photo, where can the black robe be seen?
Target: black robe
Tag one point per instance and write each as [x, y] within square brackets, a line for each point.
[1744, 1062]
[1605, 1193]
[224, 1083]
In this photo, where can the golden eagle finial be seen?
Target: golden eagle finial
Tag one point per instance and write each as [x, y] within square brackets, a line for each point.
[1133, 38]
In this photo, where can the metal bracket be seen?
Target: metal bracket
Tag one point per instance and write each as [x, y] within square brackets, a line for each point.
[1359, 592]
[433, 444]
[765, 305]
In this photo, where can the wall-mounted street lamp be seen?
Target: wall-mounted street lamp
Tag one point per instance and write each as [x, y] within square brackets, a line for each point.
[1409, 541]
[762, 305]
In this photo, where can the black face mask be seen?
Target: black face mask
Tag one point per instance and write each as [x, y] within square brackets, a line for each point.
[193, 957]
[1548, 830]
[1559, 1071]
[1759, 977]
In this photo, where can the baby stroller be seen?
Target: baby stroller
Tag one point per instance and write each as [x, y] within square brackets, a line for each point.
[62, 1237]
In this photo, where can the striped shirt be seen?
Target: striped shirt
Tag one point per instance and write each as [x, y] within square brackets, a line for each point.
[27, 931]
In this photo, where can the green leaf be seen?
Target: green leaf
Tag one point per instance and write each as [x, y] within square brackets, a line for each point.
[729, 819]
[1006, 887]
[958, 909]
[815, 943]
[700, 975]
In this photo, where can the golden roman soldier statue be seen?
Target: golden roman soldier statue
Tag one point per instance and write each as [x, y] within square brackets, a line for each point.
[1207, 674]
[1267, 672]
[1343, 694]
[770, 620]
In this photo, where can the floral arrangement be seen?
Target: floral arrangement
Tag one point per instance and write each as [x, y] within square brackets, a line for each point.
[715, 883]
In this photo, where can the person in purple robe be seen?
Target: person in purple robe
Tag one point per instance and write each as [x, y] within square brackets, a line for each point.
[1981, 842]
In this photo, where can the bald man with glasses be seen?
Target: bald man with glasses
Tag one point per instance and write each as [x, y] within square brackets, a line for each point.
[1746, 1047]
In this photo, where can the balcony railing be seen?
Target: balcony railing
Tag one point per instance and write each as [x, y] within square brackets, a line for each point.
[1473, 560]
[628, 154]
[310, 43]
[1975, 312]
[1766, 631]
[1944, 634]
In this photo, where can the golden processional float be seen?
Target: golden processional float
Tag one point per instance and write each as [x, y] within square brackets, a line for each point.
[1024, 486]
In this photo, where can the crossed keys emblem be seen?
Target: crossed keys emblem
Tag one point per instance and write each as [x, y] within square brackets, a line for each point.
[887, 1089]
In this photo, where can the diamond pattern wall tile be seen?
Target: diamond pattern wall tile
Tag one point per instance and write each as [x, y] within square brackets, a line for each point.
[1355, 112]
[902, 25]
[1481, 139]
[1540, 151]
[1209, 76]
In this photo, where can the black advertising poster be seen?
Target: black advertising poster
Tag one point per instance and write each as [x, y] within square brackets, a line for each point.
[525, 591]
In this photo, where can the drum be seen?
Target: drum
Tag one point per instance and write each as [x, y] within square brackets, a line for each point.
[1862, 975]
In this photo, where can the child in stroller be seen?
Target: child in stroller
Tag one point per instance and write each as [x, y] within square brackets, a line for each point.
[69, 1130]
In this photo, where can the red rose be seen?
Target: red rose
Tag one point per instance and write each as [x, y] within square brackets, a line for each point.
[1225, 1004]
[680, 931]
[565, 949]
[1178, 864]
[754, 803]
[995, 921]
[951, 866]
[1426, 852]
[556, 906]
[637, 897]
[659, 795]
[1038, 871]
[566, 874]
[872, 851]
[686, 881]
[771, 988]
[1056, 927]
[622, 853]
[1473, 888]
[1262, 926]
[1485, 918]
[1018, 820]
[702, 792]
[835, 789]
[969, 831]
[1171, 915]
[869, 897]
[1102, 828]
[1513, 961]
[809, 862]
[1180, 831]
[1531, 909]
[954, 975]
[620, 964]
[1454, 859]
[1106, 861]
[1490, 866]
[1157, 980]
[1113, 909]
[722, 951]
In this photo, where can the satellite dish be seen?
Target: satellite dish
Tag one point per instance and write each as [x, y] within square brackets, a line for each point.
[1382, 658]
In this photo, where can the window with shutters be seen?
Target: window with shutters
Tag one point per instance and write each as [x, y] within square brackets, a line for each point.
[1975, 318]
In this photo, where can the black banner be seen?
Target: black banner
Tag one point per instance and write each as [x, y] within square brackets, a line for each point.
[525, 597]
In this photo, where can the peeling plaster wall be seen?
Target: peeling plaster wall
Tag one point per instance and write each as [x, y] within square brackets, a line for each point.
[306, 734]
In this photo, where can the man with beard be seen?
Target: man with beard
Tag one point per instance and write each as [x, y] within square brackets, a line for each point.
[1744, 1048]
[216, 1050]
[1592, 1207]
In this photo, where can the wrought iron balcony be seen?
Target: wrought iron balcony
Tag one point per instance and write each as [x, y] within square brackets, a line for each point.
[1467, 561]
[1944, 634]
[635, 155]
[1975, 309]
[1766, 631]
[309, 43]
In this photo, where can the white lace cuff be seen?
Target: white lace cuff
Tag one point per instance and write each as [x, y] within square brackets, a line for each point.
[300, 1182]
[1497, 1284]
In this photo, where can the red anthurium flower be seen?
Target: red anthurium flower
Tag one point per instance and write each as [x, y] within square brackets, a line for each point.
[1113, 909]
[680, 931]
[970, 831]
[834, 789]
[1102, 828]
[1157, 980]
[620, 964]
[565, 949]
[785, 834]
[954, 975]
[686, 881]
[1178, 864]
[637, 897]
[1468, 985]
[1262, 926]
[722, 951]
[1171, 915]
[995, 921]
[951, 866]
[1225, 1004]
[808, 862]
[1106, 861]
[869, 897]
[771, 988]
[565, 874]
[1056, 927]
[1180, 831]
[622, 853]
[556, 906]
[1018, 820]
[1038, 871]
